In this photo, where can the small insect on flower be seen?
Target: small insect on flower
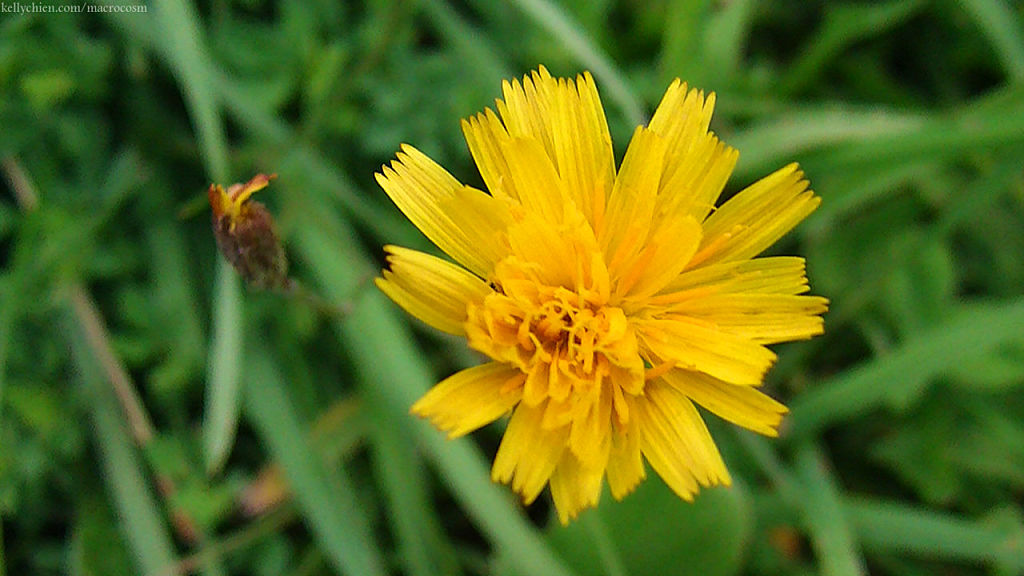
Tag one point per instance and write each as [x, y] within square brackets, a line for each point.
[610, 301]
[246, 235]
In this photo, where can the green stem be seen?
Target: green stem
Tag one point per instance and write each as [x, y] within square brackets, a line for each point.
[262, 527]
[298, 291]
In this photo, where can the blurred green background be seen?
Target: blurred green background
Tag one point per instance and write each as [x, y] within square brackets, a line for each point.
[157, 417]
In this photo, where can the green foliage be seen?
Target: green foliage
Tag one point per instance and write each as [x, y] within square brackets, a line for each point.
[158, 418]
[708, 536]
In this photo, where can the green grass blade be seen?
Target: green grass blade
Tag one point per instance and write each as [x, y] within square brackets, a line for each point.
[834, 139]
[179, 42]
[896, 379]
[421, 541]
[844, 25]
[603, 544]
[142, 523]
[1004, 30]
[579, 43]
[896, 528]
[941, 138]
[724, 37]
[7, 319]
[325, 496]
[224, 378]
[682, 47]
[827, 526]
[772, 142]
[475, 48]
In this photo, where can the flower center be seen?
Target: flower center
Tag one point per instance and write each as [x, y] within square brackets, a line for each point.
[567, 341]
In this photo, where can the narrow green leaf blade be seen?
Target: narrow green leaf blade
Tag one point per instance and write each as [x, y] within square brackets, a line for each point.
[831, 536]
[892, 527]
[224, 378]
[142, 524]
[1004, 30]
[325, 497]
[897, 378]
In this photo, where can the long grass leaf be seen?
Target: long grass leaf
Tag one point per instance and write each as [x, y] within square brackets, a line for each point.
[896, 379]
[475, 48]
[423, 547]
[766, 144]
[827, 526]
[897, 528]
[1004, 30]
[325, 497]
[224, 378]
[179, 42]
[142, 524]
[580, 44]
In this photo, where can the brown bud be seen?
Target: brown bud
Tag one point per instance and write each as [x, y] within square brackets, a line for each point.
[246, 235]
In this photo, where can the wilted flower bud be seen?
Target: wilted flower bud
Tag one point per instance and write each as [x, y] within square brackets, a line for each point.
[245, 233]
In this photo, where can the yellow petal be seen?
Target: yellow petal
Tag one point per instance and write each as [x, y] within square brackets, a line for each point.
[487, 137]
[240, 193]
[742, 405]
[575, 487]
[581, 142]
[697, 165]
[699, 345]
[219, 201]
[528, 453]
[471, 398]
[625, 463]
[756, 217]
[695, 186]
[431, 289]
[763, 318]
[772, 275]
[535, 388]
[676, 442]
[565, 120]
[479, 215]
[526, 108]
[627, 222]
[590, 433]
[559, 255]
[681, 118]
[665, 255]
[537, 183]
[458, 219]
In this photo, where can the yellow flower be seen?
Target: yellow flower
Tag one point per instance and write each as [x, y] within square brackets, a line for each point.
[610, 303]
